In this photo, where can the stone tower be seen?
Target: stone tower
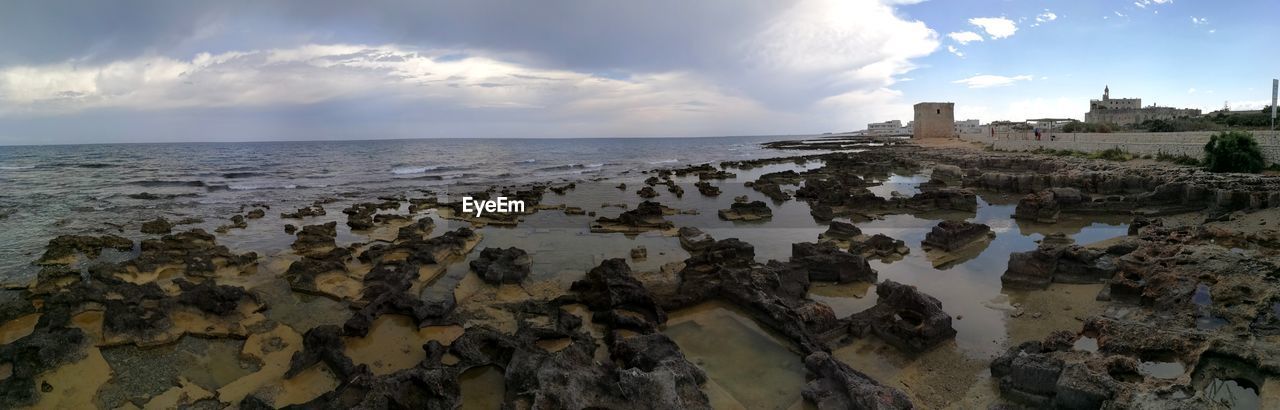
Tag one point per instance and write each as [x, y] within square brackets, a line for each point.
[1106, 93]
[934, 120]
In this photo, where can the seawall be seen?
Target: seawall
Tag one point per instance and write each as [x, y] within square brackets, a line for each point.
[1138, 143]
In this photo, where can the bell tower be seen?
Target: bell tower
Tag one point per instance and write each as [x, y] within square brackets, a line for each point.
[1106, 93]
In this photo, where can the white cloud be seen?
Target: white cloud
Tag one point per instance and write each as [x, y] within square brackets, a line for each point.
[964, 37]
[1119, 14]
[1045, 17]
[1144, 3]
[987, 80]
[954, 50]
[832, 61]
[317, 73]
[1199, 20]
[996, 27]
[1191, 90]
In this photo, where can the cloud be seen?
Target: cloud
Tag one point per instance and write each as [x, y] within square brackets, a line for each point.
[964, 37]
[987, 80]
[1199, 20]
[1119, 14]
[1144, 3]
[996, 27]
[1045, 17]
[954, 50]
[776, 66]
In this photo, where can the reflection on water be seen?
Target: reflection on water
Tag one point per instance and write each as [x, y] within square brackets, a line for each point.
[482, 388]
[755, 368]
[394, 343]
[904, 185]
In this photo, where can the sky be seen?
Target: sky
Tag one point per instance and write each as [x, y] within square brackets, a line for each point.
[164, 71]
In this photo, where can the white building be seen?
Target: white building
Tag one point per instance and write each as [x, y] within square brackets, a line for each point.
[969, 127]
[884, 128]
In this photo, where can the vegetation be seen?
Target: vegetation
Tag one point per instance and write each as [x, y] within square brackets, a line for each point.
[1113, 154]
[1179, 125]
[1178, 159]
[1077, 126]
[1233, 151]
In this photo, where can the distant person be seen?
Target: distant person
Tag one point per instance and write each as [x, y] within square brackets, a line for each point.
[993, 132]
[1037, 130]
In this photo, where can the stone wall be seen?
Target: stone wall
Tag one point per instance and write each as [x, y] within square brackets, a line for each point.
[1137, 116]
[1138, 143]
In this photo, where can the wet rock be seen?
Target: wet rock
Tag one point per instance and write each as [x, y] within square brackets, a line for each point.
[61, 249]
[52, 344]
[639, 252]
[195, 250]
[211, 298]
[314, 210]
[771, 190]
[947, 199]
[290, 229]
[316, 238]
[159, 226]
[1039, 207]
[1052, 262]
[879, 246]
[237, 222]
[364, 216]
[706, 189]
[741, 199]
[951, 235]
[302, 273]
[654, 369]
[775, 295]
[753, 211]
[693, 239]
[822, 213]
[386, 289]
[835, 385]
[323, 344]
[648, 215]
[611, 292]
[905, 318]
[560, 190]
[1027, 374]
[416, 231]
[827, 263]
[1031, 269]
[647, 192]
[622, 187]
[950, 175]
[256, 214]
[497, 265]
[840, 231]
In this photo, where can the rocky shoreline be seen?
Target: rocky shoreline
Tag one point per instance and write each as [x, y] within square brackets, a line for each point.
[1190, 299]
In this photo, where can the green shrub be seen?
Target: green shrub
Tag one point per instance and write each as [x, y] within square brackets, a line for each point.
[1178, 159]
[1112, 154]
[1233, 151]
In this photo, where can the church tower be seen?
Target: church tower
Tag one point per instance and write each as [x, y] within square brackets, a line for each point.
[1106, 93]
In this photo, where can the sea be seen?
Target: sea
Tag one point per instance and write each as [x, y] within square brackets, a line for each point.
[49, 190]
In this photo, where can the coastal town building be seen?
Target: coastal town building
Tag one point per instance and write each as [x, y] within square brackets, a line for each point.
[884, 128]
[1129, 111]
[969, 127]
[934, 120]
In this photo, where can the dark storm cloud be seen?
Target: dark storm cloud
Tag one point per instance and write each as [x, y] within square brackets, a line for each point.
[581, 35]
